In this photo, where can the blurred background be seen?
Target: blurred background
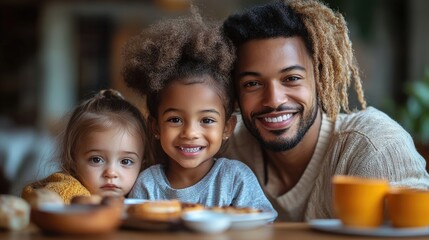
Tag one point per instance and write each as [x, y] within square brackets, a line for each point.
[55, 53]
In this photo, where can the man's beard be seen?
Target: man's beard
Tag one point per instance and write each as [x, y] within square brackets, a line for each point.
[283, 144]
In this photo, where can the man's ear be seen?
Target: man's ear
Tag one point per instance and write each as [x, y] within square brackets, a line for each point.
[229, 127]
[153, 126]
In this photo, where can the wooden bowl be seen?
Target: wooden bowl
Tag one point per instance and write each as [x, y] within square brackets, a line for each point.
[78, 218]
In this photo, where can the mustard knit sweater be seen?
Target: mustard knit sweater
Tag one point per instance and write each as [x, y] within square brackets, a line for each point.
[63, 184]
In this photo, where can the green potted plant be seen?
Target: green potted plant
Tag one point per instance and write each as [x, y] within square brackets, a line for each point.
[414, 115]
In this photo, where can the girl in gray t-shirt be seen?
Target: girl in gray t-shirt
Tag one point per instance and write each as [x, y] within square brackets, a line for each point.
[183, 67]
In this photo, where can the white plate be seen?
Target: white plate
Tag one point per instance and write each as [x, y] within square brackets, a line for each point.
[335, 226]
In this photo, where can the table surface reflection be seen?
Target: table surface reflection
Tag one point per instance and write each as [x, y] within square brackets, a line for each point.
[275, 231]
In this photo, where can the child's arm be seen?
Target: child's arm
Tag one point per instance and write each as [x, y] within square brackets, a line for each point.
[65, 185]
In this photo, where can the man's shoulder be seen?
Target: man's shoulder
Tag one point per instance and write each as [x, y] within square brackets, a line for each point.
[373, 126]
[368, 120]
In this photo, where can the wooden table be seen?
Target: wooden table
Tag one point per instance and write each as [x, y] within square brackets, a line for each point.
[276, 231]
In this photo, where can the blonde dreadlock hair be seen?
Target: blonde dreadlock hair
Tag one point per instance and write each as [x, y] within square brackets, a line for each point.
[325, 34]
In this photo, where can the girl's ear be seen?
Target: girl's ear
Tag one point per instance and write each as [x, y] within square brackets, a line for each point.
[229, 127]
[153, 127]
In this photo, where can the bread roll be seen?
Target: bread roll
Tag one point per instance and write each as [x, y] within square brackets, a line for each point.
[14, 212]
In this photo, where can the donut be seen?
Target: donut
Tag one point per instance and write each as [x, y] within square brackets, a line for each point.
[165, 210]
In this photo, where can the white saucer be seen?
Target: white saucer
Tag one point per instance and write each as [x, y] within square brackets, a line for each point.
[335, 226]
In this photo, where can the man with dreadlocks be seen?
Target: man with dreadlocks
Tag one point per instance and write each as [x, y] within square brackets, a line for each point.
[294, 67]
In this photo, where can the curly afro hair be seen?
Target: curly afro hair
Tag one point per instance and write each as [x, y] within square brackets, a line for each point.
[179, 49]
[325, 35]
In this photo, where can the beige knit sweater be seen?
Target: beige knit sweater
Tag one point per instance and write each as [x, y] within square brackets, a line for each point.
[367, 143]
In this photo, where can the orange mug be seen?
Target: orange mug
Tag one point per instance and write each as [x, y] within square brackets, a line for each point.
[407, 208]
[359, 202]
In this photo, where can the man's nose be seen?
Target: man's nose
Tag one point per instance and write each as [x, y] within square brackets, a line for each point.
[274, 95]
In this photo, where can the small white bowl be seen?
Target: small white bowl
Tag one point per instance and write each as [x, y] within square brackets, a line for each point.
[206, 221]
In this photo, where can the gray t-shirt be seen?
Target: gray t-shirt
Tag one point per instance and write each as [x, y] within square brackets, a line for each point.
[228, 183]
